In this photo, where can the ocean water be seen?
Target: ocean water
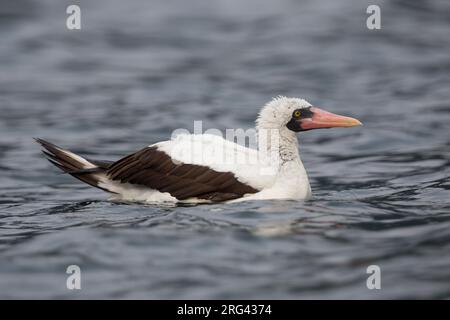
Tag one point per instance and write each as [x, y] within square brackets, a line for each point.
[138, 70]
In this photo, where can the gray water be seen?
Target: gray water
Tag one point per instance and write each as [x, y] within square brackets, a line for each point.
[137, 70]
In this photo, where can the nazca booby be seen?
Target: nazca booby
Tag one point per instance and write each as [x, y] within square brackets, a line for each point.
[208, 168]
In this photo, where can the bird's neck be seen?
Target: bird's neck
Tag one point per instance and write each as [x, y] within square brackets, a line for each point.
[291, 179]
[279, 143]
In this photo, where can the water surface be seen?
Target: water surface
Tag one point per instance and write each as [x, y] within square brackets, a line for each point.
[138, 70]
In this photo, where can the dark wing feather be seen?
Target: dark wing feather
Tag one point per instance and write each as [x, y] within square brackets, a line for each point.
[155, 169]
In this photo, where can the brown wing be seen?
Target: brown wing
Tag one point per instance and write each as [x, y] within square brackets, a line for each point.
[155, 169]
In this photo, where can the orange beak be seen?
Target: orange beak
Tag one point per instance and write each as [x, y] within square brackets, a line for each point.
[324, 119]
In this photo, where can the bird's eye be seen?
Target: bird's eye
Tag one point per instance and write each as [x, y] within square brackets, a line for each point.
[297, 114]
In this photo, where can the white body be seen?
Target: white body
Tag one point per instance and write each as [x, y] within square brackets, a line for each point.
[284, 180]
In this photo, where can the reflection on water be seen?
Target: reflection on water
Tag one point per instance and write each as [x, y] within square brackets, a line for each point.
[136, 72]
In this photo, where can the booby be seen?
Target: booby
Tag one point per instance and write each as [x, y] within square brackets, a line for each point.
[208, 168]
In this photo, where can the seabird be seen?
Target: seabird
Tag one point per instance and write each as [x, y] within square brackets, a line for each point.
[209, 168]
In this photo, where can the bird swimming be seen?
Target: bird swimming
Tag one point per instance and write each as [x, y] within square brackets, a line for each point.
[209, 168]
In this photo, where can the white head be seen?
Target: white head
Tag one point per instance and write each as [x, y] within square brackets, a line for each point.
[297, 115]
